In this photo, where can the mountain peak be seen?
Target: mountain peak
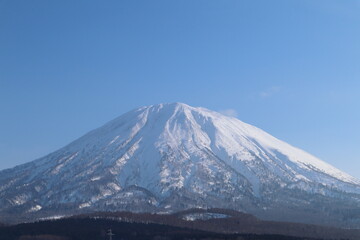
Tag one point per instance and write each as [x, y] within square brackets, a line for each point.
[177, 104]
[170, 107]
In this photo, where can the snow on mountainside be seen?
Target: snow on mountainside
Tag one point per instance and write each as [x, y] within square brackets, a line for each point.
[170, 157]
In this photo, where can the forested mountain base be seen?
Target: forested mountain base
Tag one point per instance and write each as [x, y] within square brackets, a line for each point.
[96, 229]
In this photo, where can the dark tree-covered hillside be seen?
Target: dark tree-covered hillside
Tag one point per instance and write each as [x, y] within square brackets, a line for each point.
[96, 229]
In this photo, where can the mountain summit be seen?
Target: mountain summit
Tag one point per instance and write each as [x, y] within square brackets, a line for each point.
[170, 157]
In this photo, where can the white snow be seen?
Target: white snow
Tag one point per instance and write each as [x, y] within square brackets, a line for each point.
[20, 199]
[95, 178]
[84, 205]
[203, 216]
[166, 147]
[54, 217]
[35, 208]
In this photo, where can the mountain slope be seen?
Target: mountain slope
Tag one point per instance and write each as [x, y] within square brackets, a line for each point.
[170, 157]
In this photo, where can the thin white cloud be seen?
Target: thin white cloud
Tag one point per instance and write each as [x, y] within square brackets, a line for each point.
[229, 112]
[270, 92]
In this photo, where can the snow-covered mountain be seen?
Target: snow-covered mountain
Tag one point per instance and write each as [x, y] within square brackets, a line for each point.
[171, 157]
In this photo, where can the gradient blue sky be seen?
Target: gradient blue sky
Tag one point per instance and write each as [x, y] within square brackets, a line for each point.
[291, 68]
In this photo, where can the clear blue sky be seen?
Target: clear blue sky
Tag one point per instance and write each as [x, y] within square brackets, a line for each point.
[291, 68]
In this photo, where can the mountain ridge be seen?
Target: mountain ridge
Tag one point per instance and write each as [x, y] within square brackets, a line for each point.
[170, 157]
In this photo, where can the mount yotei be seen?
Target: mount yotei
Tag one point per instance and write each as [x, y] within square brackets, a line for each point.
[171, 157]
